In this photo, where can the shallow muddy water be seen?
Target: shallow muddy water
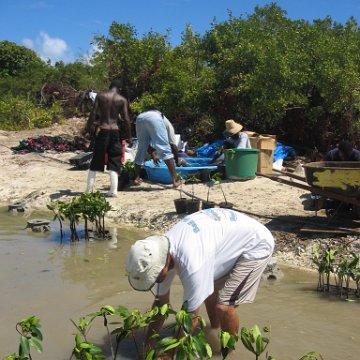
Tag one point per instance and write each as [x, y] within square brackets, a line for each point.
[40, 276]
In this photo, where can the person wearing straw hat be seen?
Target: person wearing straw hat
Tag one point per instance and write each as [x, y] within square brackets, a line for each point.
[235, 139]
[239, 139]
[219, 255]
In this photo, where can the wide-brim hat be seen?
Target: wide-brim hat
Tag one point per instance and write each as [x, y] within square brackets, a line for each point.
[232, 127]
[145, 261]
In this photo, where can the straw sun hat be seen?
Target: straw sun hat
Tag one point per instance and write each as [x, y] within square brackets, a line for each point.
[145, 261]
[232, 127]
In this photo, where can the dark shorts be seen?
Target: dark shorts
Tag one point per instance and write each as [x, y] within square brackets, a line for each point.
[107, 142]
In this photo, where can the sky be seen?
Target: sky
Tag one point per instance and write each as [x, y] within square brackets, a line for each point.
[64, 29]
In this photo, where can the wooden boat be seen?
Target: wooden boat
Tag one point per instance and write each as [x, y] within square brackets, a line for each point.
[341, 177]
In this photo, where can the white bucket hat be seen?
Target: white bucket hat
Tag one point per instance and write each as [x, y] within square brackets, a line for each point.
[232, 127]
[145, 261]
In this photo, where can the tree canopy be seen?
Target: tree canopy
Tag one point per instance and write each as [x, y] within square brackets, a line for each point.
[294, 78]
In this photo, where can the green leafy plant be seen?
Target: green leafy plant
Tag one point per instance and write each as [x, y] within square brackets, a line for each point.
[180, 178]
[227, 342]
[254, 341]
[57, 208]
[129, 168]
[189, 342]
[30, 337]
[91, 207]
[344, 266]
[325, 265]
[193, 180]
[216, 180]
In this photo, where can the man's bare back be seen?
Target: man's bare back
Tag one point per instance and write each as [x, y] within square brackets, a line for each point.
[109, 110]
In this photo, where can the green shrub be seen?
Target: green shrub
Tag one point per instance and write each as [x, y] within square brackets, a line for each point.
[19, 114]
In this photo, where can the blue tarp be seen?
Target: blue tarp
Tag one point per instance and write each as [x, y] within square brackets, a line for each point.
[282, 151]
[209, 151]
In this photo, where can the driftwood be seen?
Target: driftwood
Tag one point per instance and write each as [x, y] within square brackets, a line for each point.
[69, 97]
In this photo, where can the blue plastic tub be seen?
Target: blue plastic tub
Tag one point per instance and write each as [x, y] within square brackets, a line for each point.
[161, 174]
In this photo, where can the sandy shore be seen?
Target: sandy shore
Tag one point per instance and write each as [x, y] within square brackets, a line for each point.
[40, 178]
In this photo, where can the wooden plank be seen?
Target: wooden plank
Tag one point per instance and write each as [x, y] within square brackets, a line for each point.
[327, 229]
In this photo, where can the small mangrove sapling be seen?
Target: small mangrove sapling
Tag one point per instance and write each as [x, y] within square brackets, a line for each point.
[193, 180]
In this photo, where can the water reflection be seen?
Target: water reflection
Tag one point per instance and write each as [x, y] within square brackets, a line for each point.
[58, 281]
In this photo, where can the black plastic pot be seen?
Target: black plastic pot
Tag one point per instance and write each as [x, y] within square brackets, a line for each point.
[192, 206]
[180, 205]
[123, 180]
[205, 175]
[226, 205]
[208, 204]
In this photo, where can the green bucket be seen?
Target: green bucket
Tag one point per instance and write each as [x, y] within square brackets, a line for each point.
[241, 163]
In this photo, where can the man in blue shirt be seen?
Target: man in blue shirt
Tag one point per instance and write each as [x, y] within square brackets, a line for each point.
[344, 152]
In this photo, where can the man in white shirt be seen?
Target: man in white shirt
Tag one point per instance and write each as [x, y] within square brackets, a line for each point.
[219, 255]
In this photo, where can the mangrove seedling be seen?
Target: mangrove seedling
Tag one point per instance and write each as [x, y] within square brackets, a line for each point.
[193, 180]
[188, 343]
[254, 341]
[325, 265]
[180, 178]
[57, 208]
[227, 342]
[216, 180]
[30, 336]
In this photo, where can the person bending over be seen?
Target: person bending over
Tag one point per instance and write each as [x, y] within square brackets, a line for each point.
[153, 128]
[219, 255]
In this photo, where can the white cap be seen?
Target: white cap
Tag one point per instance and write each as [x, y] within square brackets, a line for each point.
[145, 261]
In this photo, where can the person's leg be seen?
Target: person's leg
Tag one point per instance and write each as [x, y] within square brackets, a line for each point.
[171, 166]
[240, 288]
[229, 318]
[97, 161]
[114, 179]
[114, 161]
[210, 304]
[137, 170]
[143, 143]
[90, 181]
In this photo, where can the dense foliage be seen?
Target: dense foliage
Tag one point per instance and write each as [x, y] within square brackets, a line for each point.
[293, 78]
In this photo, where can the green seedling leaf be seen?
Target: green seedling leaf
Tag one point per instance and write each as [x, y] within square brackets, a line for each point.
[224, 338]
[245, 339]
[24, 344]
[36, 345]
[181, 355]
[259, 345]
[312, 355]
[150, 355]
[188, 324]
[208, 350]
[36, 333]
[164, 309]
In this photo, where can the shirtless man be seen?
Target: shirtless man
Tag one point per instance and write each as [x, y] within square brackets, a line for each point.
[109, 110]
